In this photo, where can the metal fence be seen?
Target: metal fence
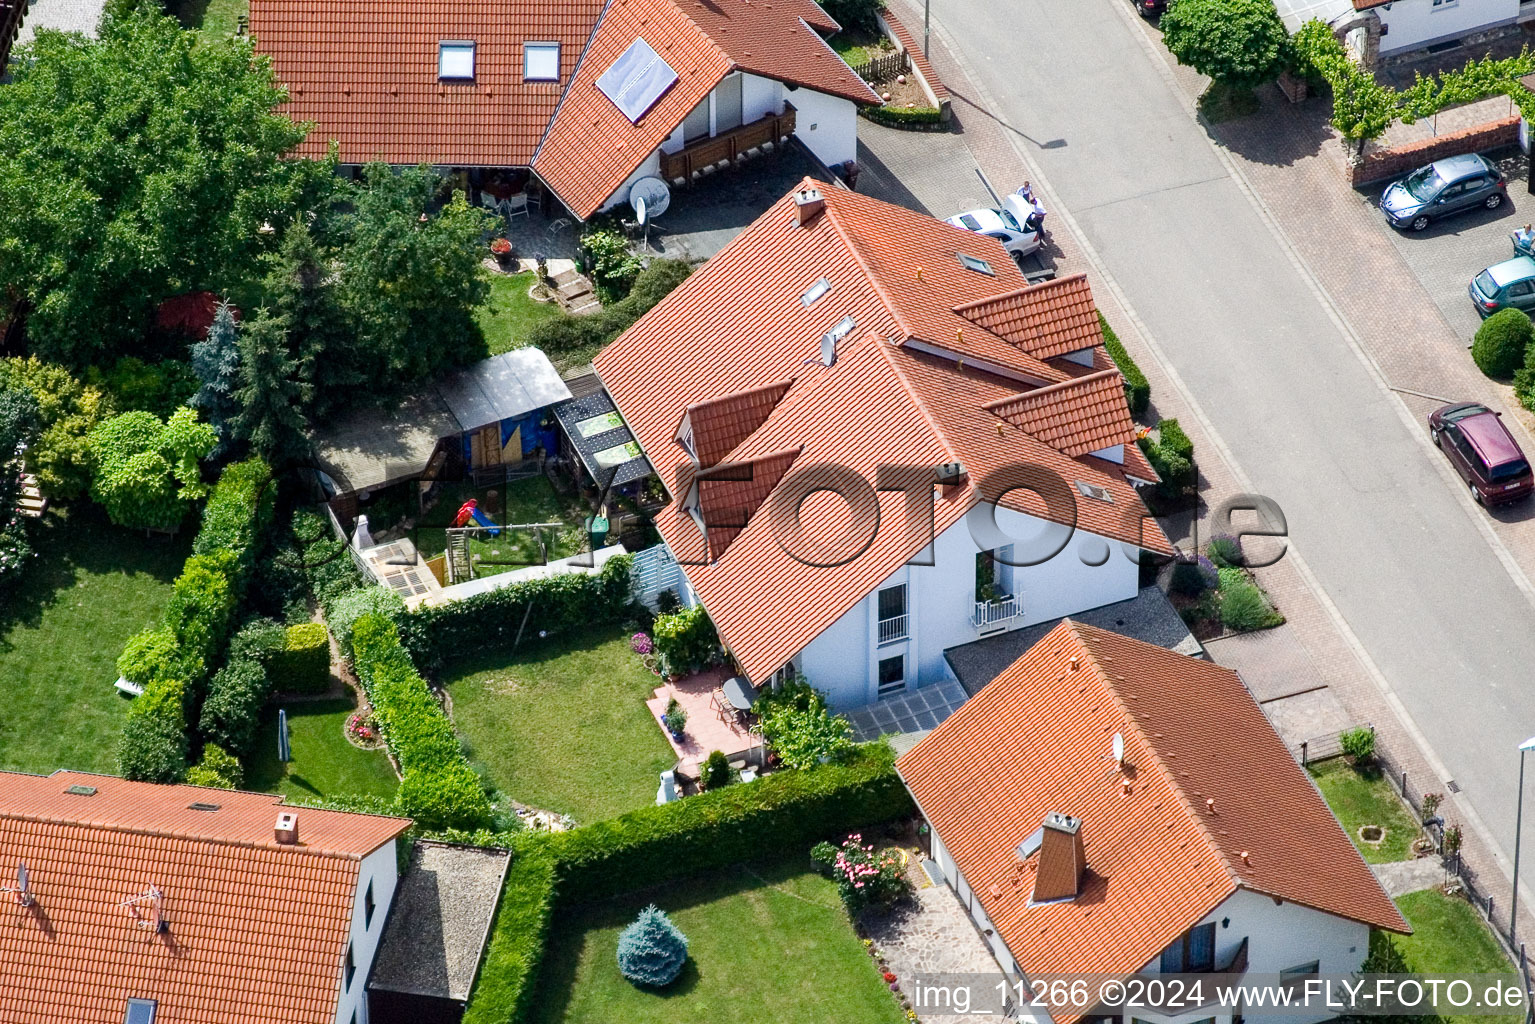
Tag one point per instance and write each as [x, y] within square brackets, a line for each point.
[882, 69]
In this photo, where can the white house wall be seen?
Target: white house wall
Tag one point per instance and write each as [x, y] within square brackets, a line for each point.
[827, 125]
[381, 869]
[940, 600]
[760, 97]
[1411, 24]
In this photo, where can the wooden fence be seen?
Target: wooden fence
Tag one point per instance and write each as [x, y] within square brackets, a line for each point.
[882, 69]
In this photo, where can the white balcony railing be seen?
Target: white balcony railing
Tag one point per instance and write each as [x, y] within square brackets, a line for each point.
[892, 629]
[996, 614]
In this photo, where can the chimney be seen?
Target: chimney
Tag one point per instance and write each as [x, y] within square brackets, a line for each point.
[808, 204]
[1061, 859]
[286, 830]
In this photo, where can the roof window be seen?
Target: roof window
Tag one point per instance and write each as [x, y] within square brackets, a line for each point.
[140, 1011]
[81, 790]
[815, 292]
[541, 62]
[200, 806]
[636, 80]
[980, 266]
[1094, 491]
[455, 59]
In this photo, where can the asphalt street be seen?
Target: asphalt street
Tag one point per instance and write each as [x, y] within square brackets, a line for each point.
[1388, 535]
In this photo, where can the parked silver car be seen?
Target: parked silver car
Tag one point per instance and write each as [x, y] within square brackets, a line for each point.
[1452, 185]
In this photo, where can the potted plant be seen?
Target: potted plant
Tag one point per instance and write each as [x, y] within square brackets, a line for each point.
[675, 718]
[501, 249]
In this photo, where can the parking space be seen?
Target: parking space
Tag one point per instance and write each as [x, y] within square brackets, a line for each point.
[1446, 255]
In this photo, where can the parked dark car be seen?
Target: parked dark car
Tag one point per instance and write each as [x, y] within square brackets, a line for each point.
[1149, 8]
[1483, 452]
[1452, 185]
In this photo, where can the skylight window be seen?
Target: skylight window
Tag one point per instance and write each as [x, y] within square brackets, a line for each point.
[1094, 491]
[815, 292]
[140, 1011]
[842, 328]
[636, 80]
[455, 59]
[541, 62]
[977, 264]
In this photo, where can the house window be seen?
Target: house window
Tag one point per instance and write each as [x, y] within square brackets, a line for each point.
[351, 966]
[976, 264]
[892, 614]
[140, 1011]
[782, 676]
[1293, 977]
[455, 59]
[367, 905]
[892, 675]
[1440, 5]
[541, 62]
[1192, 952]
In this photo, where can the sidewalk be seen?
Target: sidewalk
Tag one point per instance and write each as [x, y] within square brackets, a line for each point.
[1277, 158]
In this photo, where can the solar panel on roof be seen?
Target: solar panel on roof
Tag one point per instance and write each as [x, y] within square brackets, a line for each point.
[636, 80]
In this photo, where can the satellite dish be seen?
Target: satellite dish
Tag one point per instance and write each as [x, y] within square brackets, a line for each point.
[1119, 746]
[656, 194]
[639, 210]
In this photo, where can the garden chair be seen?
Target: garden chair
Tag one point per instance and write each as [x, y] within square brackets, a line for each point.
[516, 206]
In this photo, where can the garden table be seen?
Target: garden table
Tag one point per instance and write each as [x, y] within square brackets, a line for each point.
[740, 693]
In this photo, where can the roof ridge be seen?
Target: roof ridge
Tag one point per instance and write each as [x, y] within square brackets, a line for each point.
[1193, 811]
[741, 393]
[863, 264]
[1052, 389]
[249, 844]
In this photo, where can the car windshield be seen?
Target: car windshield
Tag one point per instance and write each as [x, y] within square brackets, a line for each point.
[1455, 415]
[1423, 184]
[1009, 221]
[1485, 284]
[1508, 470]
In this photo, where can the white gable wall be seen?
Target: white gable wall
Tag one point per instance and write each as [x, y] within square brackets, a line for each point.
[381, 869]
[1412, 24]
[827, 125]
[844, 659]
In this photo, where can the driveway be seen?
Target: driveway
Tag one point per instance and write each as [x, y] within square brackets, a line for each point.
[1279, 375]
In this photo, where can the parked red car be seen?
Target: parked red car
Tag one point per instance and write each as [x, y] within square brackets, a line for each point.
[1483, 452]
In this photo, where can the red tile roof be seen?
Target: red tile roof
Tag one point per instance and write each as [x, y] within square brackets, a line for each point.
[1045, 320]
[731, 494]
[592, 147]
[1078, 416]
[738, 324]
[719, 424]
[365, 71]
[257, 930]
[1157, 859]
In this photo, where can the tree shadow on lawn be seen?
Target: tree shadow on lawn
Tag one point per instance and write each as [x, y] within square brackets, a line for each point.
[81, 542]
[574, 922]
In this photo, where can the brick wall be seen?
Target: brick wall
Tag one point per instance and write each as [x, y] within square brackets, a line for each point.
[1392, 163]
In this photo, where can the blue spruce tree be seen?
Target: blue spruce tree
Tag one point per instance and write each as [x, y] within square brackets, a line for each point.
[216, 362]
[651, 951]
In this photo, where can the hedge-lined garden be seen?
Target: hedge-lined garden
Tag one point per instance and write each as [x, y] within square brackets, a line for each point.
[438, 788]
[173, 661]
[657, 844]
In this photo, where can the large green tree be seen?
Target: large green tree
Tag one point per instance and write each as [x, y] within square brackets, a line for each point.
[133, 167]
[269, 395]
[147, 472]
[301, 283]
[1239, 43]
[410, 276]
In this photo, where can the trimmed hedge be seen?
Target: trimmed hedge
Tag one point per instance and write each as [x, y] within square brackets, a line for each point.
[491, 621]
[657, 844]
[567, 333]
[172, 661]
[437, 788]
[1137, 389]
[918, 119]
[302, 664]
[345, 609]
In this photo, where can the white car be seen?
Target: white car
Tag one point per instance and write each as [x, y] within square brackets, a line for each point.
[1009, 225]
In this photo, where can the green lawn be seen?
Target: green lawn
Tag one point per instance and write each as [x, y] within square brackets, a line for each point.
[856, 47]
[509, 313]
[533, 500]
[324, 763]
[744, 925]
[91, 586]
[1367, 798]
[562, 724]
[1448, 937]
[213, 19]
